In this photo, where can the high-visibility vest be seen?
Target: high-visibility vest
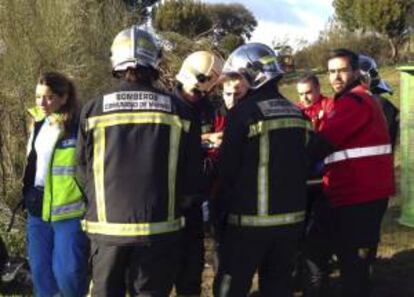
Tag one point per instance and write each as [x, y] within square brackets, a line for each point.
[62, 198]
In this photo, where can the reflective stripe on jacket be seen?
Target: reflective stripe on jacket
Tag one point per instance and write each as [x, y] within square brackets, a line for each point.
[358, 152]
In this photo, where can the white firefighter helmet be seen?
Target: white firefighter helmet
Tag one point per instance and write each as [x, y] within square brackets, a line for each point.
[256, 62]
[200, 71]
[134, 47]
[370, 75]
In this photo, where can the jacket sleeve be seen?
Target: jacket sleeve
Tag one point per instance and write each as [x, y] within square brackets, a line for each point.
[230, 153]
[348, 118]
[192, 166]
[318, 148]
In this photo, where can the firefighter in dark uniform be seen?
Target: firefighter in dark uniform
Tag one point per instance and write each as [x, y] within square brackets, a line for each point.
[262, 175]
[139, 162]
[195, 80]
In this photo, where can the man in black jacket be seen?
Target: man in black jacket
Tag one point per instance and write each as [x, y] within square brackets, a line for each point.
[139, 161]
[262, 172]
[379, 87]
[195, 80]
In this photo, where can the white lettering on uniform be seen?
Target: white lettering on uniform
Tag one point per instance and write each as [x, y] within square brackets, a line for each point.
[278, 107]
[136, 100]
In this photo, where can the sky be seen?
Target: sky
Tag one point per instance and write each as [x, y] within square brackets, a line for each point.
[286, 19]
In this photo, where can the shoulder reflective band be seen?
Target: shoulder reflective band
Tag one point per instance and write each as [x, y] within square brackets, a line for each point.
[266, 126]
[265, 221]
[358, 152]
[136, 118]
[142, 229]
[262, 129]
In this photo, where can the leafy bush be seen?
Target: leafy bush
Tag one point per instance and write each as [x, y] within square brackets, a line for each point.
[315, 55]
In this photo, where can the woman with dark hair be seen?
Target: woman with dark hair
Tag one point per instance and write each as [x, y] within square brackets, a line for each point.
[56, 244]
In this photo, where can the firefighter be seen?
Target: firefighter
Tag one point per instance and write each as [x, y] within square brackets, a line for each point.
[139, 164]
[358, 179]
[195, 80]
[262, 176]
[57, 246]
[379, 87]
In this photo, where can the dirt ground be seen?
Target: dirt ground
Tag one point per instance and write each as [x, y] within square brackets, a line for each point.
[393, 274]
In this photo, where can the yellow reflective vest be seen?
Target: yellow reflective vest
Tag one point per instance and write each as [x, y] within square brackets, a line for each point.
[62, 198]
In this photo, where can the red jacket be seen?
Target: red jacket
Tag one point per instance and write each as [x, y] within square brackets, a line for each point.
[361, 168]
[318, 110]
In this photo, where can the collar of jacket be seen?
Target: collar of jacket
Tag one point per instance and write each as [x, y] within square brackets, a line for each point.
[177, 94]
[131, 85]
[268, 91]
[36, 113]
[200, 105]
[39, 116]
[222, 110]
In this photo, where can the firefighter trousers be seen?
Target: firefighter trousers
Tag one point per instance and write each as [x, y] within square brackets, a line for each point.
[269, 250]
[145, 269]
[191, 254]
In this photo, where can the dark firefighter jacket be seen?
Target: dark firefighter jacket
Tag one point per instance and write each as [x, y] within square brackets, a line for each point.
[392, 115]
[204, 110]
[139, 162]
[262, 163]
[204, 113]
